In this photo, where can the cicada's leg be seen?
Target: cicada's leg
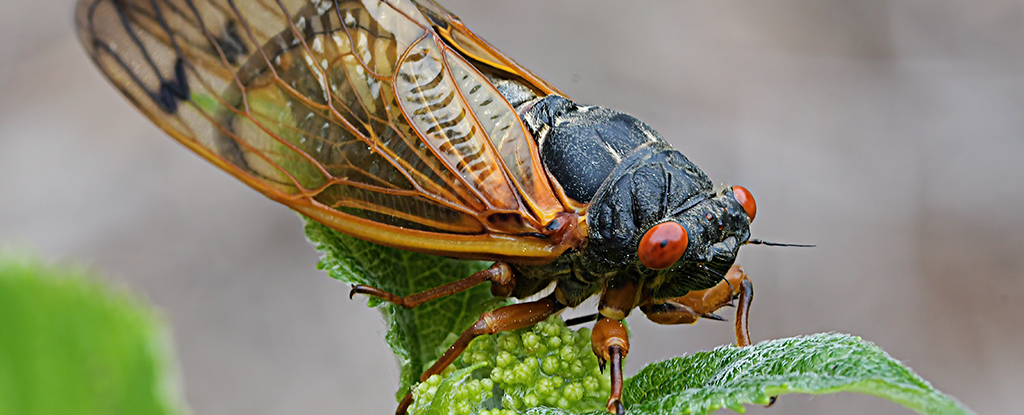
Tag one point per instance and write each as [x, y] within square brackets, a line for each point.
[500, 274]
[611, 344]
[609, 338]
[692, 306]
[506, 318]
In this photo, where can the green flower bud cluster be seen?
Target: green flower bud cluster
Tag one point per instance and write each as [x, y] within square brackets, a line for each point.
[454, 392]
[547, 364]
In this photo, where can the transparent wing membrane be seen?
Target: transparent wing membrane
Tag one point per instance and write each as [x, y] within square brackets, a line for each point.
[356, 113]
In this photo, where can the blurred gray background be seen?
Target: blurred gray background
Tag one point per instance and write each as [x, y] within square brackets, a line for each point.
[890, 133]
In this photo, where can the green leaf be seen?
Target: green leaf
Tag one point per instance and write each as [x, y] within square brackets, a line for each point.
[728, 377]
[69, 345]
[417, 336]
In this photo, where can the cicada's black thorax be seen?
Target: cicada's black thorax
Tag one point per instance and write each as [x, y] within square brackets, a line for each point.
[582, 145]
[631, 180]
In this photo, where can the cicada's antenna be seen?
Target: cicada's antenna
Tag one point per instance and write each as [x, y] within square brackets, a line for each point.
[766, 243]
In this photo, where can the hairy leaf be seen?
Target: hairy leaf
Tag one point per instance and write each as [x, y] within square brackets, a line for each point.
[729, 377]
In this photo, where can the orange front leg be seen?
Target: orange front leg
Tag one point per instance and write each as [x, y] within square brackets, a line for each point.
[694, 305]
[610, 342]
[500, 274]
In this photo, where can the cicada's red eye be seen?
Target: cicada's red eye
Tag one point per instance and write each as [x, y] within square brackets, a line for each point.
[746, 200]
[663, 245]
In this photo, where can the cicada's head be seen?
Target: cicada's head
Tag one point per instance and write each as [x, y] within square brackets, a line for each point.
[694, 250]
[658, 216]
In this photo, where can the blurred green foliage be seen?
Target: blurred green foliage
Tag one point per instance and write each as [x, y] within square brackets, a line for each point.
[70, 345]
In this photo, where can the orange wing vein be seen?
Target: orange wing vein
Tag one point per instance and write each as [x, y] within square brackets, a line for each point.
[372, 117]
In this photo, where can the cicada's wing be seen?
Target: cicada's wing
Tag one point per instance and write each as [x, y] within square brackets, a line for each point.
[455, 34]
[358, 114]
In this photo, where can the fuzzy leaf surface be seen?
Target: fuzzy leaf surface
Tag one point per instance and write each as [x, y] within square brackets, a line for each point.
[729, 377]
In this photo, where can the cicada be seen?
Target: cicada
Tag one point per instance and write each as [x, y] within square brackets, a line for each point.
[392, 122]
